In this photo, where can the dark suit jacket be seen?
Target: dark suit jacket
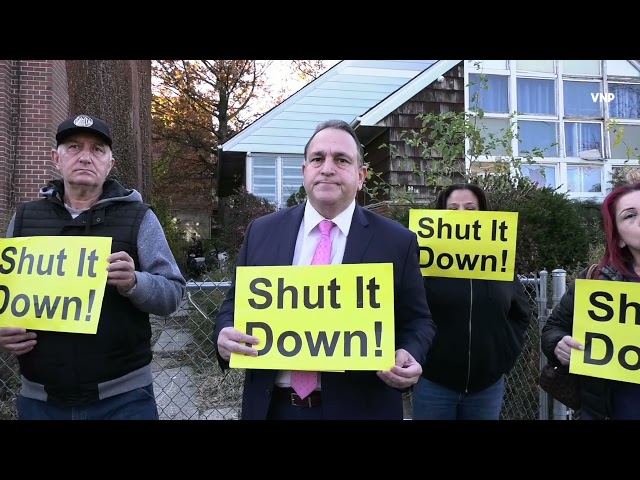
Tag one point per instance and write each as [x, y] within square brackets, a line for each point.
[270, 240]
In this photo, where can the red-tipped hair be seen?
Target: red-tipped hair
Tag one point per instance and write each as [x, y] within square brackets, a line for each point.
[619, 258]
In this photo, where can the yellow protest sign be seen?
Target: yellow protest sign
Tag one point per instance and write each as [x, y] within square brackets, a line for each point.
[320, 317]
[466, 243]
[606, 321]
[53, 283]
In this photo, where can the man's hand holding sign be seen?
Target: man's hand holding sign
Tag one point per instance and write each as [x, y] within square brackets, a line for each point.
[56, 283]
[333, 339]
[60, 277]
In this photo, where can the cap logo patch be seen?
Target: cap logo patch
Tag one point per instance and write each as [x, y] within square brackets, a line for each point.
[83, 121]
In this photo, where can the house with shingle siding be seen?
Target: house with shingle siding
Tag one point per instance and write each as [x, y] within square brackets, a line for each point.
[563, 107]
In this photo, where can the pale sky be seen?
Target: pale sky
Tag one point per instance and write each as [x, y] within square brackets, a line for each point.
[280, 76]
[280, 73]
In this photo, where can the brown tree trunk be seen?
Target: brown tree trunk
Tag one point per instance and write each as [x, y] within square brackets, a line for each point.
[119, 92]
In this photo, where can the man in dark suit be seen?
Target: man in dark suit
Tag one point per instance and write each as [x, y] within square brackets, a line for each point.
[333, 173]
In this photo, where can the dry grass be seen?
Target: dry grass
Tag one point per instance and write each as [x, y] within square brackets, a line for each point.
[8, 393]
[216, 389]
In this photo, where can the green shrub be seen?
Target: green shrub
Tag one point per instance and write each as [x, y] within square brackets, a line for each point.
[401, 213]
[174, 236]
[590, 211]
[241, 209]
[552, 230]
[297, 198]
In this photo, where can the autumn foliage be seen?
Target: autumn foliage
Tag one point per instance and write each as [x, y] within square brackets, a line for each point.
[197, 106]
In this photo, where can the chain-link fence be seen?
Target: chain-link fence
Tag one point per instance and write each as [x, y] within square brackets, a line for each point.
[521, 399]
[189, 384]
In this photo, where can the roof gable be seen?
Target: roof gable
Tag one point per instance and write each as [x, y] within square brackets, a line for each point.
[366, 90]
[360, 92]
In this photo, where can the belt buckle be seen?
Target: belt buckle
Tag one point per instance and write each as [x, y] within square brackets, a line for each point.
[296, 401]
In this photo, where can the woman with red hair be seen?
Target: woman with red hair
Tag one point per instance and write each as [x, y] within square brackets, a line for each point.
[603, 398]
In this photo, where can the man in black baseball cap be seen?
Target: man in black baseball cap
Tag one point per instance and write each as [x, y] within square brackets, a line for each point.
[106, 375]
[83, 123]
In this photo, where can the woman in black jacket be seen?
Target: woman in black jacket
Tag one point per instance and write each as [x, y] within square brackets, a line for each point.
[603, 398]
[481, 326]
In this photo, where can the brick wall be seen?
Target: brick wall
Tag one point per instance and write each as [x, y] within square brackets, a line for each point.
[7, 134]
[36, 95]
[33, 101]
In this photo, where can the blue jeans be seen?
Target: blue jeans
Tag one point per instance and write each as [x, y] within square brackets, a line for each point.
[434, 402]
[138, 404]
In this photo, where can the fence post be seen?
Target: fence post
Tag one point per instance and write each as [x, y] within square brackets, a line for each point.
[543, 283]
[559, 286]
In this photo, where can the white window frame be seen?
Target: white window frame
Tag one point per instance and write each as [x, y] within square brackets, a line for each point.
[603, 186]
[614, 163]
[279, 177]
[549, 162]
[562, 161]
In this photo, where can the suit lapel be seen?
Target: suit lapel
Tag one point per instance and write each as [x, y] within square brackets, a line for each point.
[287, 236]
[359, 237]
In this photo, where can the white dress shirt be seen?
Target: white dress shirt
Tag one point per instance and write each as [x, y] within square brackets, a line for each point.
[306, 243]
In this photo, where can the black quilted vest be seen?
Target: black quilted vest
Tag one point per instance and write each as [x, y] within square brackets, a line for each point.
[71, 365]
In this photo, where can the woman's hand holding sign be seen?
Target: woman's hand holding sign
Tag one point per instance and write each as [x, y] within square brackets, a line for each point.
[563, 349]
[17, 340]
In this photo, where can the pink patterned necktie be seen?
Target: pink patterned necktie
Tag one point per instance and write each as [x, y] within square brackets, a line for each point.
[305, 382]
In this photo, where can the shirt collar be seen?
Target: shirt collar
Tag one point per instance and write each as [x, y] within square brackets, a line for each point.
[343, 221]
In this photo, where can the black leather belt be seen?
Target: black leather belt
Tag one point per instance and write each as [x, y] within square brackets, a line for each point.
[289, 394]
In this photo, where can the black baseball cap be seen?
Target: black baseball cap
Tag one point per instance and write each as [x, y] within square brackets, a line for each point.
[83, 123]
